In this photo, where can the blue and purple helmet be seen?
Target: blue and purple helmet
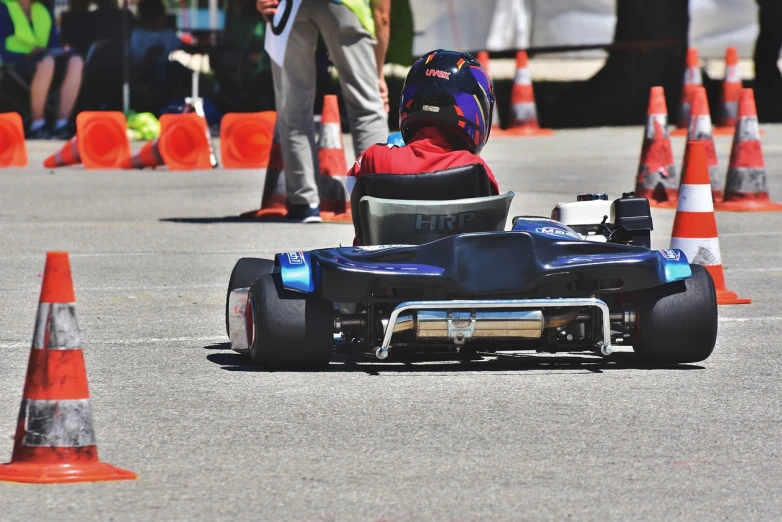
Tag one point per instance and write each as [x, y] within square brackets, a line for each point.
[451, 91]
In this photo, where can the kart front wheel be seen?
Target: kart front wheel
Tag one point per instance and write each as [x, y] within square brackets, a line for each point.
[246, 271]
[287, 330]
[677, 322]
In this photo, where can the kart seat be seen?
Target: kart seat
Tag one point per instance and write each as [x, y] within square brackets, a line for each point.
[440, 189]
[415, 222]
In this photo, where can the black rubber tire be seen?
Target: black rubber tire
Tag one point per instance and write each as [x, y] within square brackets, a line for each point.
[246, 271]
[677, 322]
[289, 332]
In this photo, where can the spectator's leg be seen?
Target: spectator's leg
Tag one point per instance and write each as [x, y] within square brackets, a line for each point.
[39, 88]
[294, 88]
[69, 90]
[352, 49]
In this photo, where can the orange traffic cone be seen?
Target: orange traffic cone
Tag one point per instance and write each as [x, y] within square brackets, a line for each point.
[656, 179]
[148, 156]
[13, 147]
[66, 156]
[731, 93]
[55, 440]
[183, 142]
[334, 197]
[103, 142]
[523, 120]
[700, 130]
[246, 139]
[274, 202]
[746, 189]
[483, 59]
[692, 80]
[695, 226]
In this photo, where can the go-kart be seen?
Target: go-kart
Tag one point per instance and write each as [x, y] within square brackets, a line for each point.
[446, 278]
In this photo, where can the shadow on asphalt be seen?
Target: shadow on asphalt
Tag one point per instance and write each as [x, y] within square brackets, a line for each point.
[211, 220]
[351, 363]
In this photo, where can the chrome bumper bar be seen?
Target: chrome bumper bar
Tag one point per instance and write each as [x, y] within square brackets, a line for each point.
[605, 347]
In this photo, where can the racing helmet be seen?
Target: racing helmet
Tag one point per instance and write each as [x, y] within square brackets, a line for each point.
[451, 91]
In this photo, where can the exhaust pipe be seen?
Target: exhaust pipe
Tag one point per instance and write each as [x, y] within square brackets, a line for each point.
[461, 325]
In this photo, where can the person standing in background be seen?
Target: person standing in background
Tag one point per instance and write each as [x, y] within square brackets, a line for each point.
[356, 35]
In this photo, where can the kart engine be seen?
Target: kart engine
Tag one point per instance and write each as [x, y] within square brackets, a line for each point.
[626, 220]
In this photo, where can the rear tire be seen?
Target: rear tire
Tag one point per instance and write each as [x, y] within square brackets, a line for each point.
[246, 271]
[289, 331]
[677, 322]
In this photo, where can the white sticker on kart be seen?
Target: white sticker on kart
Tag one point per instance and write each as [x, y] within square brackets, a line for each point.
[375, 248]
[557, 232]
[671, 255]
[295, 258]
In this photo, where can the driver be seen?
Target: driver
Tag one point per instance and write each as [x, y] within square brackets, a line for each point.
[445, 114]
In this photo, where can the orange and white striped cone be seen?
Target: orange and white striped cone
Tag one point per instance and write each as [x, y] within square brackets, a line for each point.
[692, 80]
[746, 188]
[700, 130]
[656, 178]
[66, 156]
[731, 94]
[148, 156]
[523, 119]
[483, 59]
[332, 182]
[695, 226]
[55, 439]
[274, 201]
[13, 147]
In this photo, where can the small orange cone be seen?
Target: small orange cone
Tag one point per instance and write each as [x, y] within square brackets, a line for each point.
[483, 59]
[656, 178]
[332, 182]
[700, 130]
[148, 156]
[746, 189]
[274, 201]
[103, 139]
[523, 120]
[695, 226]
[246, 139]
[66, 156]
[731, 94]
[13, 147]
[692, 80]
[55, 440]
[183, 142]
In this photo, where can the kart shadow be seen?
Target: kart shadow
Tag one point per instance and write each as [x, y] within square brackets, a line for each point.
[350, 363]
[207, 220]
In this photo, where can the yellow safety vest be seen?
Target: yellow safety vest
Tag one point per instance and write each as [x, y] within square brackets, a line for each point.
[27, 37]
[364, 13]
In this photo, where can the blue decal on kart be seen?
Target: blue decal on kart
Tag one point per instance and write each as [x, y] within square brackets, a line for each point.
[675, 266]
[396, 139]
[296, 271]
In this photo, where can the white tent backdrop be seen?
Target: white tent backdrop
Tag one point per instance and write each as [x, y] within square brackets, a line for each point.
[497, 25]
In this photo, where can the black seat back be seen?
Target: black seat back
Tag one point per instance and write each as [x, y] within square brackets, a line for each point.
[470, 181]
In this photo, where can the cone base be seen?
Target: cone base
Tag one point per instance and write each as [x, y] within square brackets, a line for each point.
[526, 132]
[333, 217]
[265, 214]
[32, 473]
[726, 297]
[679, 131]
[747, 205]
[723, 131]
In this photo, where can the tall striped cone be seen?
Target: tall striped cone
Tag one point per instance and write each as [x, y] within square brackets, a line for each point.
[148, 156]
[746, 189]
[656, 178]
[695, 226]
[483, 59]
[67, 155]
[731, 94]
[332, 182]
[274, 201]
[523, 120]
[700, 130]
[55, 440]
[692, 80]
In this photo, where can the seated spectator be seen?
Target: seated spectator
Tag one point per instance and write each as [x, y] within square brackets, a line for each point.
[30, 42]
[151, 43]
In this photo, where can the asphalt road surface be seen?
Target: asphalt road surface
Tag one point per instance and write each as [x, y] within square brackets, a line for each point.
[528, 438]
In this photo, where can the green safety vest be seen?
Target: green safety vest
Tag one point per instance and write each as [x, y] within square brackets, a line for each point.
[26, 37]
[363, 12]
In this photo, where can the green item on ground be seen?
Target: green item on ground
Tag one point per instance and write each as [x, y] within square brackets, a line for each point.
[143, 126]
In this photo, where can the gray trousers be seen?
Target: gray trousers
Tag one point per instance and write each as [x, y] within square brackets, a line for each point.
[352, 50]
